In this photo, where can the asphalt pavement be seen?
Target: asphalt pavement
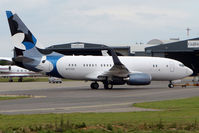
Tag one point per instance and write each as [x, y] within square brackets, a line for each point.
[76, 96]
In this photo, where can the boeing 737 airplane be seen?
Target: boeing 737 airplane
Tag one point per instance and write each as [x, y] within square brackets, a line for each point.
[110, 70]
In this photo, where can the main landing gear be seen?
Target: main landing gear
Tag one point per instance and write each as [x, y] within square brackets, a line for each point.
[170, 85]
[107, 85]
[20, 79]
[10, 80]
[94, 85]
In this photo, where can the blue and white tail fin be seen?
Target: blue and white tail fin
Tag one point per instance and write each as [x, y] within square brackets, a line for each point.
[22, 38]
[27, 54]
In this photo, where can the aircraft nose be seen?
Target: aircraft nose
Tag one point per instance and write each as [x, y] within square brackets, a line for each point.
[189, 71]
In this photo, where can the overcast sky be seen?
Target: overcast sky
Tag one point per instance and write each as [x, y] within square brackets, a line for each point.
[110, 22]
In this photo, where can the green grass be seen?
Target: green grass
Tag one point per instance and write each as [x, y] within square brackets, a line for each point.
[176, 116]
[12, 97]
[179, 104]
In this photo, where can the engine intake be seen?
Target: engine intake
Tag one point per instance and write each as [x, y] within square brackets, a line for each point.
[139, 79]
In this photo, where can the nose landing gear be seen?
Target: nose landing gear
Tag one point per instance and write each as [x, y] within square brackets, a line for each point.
[170, 85]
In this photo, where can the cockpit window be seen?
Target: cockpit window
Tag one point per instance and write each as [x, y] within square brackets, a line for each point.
[181, 65]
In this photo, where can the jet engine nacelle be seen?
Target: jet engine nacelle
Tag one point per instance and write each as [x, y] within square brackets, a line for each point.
[139, 79]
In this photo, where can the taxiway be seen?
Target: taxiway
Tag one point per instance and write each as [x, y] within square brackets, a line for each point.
[76, 96]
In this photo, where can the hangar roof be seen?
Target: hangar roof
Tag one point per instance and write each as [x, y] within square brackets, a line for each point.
[82, 48]
[189, 45]
[158, 41]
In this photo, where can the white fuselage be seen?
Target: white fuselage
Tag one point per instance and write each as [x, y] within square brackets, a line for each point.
[15, 71]
[90, 67]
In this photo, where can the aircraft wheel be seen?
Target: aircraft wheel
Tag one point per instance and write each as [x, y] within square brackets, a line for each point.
[108, 86]
[170, 85]
[94, 85]
[10, 80]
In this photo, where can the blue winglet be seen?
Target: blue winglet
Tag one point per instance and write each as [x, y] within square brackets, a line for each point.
[9, 14]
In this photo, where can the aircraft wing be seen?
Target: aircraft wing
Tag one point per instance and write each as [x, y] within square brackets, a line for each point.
[118, 69]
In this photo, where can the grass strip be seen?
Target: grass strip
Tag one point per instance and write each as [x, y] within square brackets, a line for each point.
[12, 97]
[180, 115]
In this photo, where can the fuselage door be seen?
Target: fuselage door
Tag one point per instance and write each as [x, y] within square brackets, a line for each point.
[172, 66]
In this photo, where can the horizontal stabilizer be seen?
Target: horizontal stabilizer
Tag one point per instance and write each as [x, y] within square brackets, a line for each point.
[23, 59]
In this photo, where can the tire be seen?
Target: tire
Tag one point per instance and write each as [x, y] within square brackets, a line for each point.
[94, 86]
[171, 86]
[108, 86]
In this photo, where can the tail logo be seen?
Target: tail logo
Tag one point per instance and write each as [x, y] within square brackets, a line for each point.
[21, 36]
